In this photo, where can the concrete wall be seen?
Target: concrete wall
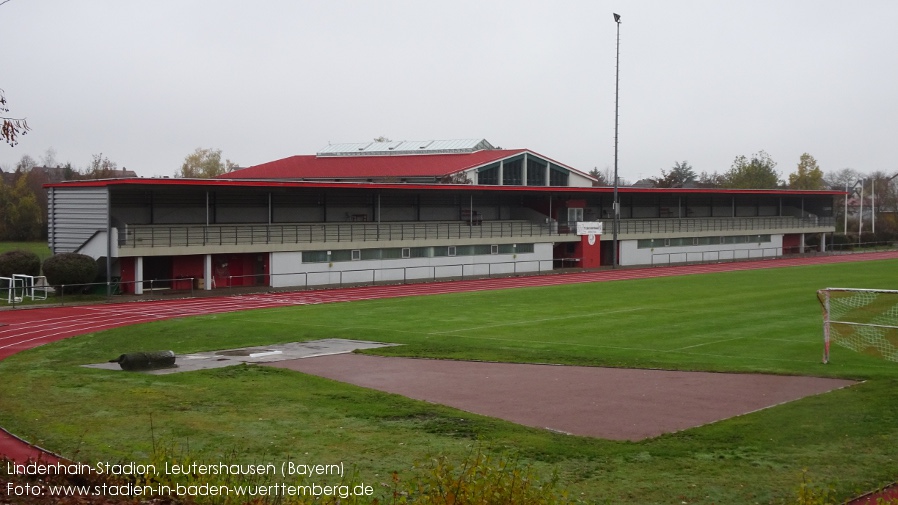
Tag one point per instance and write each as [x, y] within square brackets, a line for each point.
[631, 255]
[287, 268]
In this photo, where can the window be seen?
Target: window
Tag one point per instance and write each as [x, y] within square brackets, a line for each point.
[574, 215]
[344, 255]
[314, 256]
[392, 253]
[489, 175]
[557, 177]
[356, 255]
[406, 252]
[536, 172]
[513, 172]
[494, 249]
[450, 251]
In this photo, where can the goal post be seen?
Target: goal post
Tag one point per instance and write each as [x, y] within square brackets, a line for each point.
[863, 320]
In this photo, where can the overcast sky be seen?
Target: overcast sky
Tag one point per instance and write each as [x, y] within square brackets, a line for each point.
[146, 83]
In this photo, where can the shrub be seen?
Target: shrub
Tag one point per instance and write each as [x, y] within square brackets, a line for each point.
[70, 269]
[19, 261]
[842, 242]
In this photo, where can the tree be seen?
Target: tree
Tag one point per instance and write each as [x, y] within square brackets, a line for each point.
[603, 178]
[20, 214]
[713, 180]
[680, 175]
[808, 175]
[25, 164]
[755, 173]
[11, 127]
[841, 179]
[205, 164]
[49, 157]
[100, 167]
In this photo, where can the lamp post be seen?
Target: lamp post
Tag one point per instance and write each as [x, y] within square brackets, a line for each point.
[616, 205]
[860, 216]
[845, 213]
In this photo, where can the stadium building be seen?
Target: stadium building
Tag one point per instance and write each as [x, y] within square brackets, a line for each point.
[400, 211]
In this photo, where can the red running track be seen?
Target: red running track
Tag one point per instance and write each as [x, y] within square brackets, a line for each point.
[27, 328]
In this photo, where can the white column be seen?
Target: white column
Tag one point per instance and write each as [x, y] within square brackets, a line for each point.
[548, 168]
[501, 172]
[524, 171]
[823, 242]
[801, 244]
[138, 275]
[207, 272]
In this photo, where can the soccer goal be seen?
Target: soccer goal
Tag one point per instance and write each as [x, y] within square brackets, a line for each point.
[863, 320]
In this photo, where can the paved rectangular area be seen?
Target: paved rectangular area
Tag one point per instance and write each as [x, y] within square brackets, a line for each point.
[612, 403]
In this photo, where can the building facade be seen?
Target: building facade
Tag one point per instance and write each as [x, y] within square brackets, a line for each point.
[342, 217]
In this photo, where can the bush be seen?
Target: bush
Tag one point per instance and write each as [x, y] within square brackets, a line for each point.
[19, 261]
[70, 269]
[842, 242]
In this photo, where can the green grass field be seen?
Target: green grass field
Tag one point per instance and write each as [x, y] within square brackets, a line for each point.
[754, 321]
[39, 248]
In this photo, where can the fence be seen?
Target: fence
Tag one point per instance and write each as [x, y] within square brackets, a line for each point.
[664, 259]
[719, 256]
[186, 286]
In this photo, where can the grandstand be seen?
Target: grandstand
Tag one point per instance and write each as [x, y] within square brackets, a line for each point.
[399, 211]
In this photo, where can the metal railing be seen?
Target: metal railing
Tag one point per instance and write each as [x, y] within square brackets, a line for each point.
[722, 224]
[720, 256]
[402, 275]
[249, 234]
[90, 291]
[187, 286]
[263, 234]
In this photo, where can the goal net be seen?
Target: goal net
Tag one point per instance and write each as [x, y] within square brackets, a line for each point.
[863, 320]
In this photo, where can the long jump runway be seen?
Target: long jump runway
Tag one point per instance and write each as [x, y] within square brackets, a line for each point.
[23, 329]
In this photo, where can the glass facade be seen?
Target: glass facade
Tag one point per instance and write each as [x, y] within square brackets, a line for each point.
[414, 252]
[654, 243]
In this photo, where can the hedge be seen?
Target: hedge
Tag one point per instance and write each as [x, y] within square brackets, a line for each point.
[19, 261]
[70, 269]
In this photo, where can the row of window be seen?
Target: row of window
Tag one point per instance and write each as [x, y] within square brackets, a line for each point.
[513, 174]
[653, 243]
[391, 253]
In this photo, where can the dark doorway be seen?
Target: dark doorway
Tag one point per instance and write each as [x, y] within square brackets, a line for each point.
[158, 269]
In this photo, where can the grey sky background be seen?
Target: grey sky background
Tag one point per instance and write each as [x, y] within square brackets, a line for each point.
[145, 83]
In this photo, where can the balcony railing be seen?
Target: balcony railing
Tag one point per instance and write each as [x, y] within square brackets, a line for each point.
[248, 234]
[722, 224]
[260, 234]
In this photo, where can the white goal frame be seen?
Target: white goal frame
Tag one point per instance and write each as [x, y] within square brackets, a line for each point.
[870, 330]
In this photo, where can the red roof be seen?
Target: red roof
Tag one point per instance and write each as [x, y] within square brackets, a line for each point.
[371, 167]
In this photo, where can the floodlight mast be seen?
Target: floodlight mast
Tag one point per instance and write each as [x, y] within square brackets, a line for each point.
[616, 204]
